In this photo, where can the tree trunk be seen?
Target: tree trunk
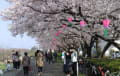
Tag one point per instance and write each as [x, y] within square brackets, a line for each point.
[98, 48]
[83, 50]
[111, 41]
[105, 49]
[90, 46]
[89, 51]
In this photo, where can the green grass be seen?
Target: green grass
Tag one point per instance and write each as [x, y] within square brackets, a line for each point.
[2, 66]
[81, 75]
[31, 53]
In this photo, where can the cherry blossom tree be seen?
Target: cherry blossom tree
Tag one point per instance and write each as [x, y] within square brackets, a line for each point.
[41, 19]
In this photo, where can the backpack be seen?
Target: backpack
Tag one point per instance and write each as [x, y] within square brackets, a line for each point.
[50, 55]
[26, 61]
[16, 58]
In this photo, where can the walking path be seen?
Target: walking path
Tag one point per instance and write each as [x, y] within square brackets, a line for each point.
[53, 70]
[49, 70]
[11, 73]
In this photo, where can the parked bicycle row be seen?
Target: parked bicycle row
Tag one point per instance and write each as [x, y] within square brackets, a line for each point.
[91, 69]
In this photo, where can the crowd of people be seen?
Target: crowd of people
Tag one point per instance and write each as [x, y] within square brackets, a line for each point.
[69, 58]
[25, 60]
[39, 62]
[51, 57]
[71, 63]
[19, 60]
[115, 55]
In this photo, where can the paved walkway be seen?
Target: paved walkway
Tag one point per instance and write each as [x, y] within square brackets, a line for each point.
[53, 70]
[11, 73]
[49, 70]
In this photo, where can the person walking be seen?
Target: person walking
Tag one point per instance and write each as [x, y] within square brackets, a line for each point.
[55, 56]
[40, 64]
[74, 61]
[46, 56]
[50, 57]
[16, 60]
[67, 61]
[13, 59]
[19, 61]
[26, 64]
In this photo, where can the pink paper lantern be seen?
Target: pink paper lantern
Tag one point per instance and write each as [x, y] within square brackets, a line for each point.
[106, 23]
[82, 23]
[60, 31]
[57, 34]
[69, 19]
[64, 26]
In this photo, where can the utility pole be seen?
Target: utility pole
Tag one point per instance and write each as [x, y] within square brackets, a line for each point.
[78, 62]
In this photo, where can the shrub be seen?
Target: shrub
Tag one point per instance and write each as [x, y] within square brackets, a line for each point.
[2, 66]
[112, 64]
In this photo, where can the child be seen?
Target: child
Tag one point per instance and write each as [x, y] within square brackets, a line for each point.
[1, 73]
[8, 66]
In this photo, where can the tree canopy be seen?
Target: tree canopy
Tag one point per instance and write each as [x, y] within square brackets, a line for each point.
[42, 19]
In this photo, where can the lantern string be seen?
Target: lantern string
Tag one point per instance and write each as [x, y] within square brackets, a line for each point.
[59, 34]
[71, 24]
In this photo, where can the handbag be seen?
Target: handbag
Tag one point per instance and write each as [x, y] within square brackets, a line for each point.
[29, 68]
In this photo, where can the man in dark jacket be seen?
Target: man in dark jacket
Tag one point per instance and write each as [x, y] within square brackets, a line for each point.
[55, 56]
[50, 57]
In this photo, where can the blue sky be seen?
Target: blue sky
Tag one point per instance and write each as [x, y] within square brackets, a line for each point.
[6, 38]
